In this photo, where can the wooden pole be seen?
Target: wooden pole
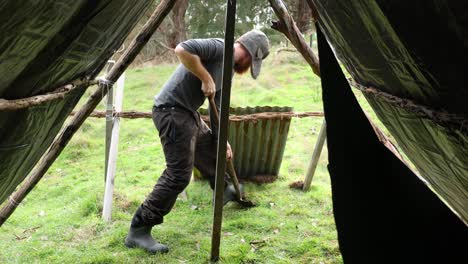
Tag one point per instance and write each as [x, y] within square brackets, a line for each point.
[315, 156]
[223, 128]
[64, 137]
[230, 167]
[287, 26]
[113, 149]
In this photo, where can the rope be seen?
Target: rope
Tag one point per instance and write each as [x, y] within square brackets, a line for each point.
[107, 84]
[438, 116]
[13, 202]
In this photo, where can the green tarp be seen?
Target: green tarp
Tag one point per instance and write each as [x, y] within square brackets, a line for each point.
[415, 50]
[43, 45]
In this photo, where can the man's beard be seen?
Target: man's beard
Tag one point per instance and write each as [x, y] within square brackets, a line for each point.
[241, 69]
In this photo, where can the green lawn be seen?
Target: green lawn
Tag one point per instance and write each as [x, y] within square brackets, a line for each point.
[59, 222]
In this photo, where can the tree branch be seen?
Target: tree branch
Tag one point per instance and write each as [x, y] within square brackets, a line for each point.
[59, 93]
[287, 26]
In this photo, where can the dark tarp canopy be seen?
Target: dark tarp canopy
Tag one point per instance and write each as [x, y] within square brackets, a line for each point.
[382, 210]
[412, 53]
[44, 45]
[414, 50]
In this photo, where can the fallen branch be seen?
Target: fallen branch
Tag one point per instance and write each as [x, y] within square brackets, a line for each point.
[20, 238]
[254, 242]
[285, 49]
[257, 244]
[32, 229]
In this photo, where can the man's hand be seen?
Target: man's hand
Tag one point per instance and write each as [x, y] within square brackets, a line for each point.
[209, 87]
[228, 152]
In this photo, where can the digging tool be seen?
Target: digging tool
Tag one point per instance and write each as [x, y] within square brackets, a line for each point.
[231, 171]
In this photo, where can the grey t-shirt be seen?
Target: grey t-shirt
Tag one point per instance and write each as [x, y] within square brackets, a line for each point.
[183, 88]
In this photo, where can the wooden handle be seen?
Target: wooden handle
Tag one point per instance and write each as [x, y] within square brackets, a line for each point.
[231, 170]
[213, 108]
[235, 182]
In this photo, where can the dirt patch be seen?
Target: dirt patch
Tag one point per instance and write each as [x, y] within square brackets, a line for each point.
[260, 179]
[297, 185]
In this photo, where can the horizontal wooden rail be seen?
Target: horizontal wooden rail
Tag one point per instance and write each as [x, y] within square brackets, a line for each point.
[232, 118]
[59, 93]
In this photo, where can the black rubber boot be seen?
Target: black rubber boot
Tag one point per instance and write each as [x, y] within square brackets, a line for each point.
[230, 193]
[140, 237]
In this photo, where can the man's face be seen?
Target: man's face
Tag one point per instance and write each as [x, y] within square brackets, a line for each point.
[242, 59]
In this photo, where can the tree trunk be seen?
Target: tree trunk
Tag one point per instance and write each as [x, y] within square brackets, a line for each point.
[178, 32]
[303, 16]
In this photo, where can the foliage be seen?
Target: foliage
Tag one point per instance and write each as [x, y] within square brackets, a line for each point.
[206, 17]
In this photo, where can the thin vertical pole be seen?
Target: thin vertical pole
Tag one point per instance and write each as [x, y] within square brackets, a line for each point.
[223, 128]
[113, 149]
[109, 119]
[315, 156]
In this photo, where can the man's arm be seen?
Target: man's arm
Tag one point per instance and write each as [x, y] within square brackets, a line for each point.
[193, 63]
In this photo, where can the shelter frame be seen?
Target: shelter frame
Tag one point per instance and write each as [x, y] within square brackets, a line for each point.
[285, 25]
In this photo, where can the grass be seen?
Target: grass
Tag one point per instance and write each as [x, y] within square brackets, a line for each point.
[59, 222]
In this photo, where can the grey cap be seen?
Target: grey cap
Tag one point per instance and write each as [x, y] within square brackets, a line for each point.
[258, 46]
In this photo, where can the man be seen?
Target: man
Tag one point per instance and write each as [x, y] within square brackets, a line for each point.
[186, 140]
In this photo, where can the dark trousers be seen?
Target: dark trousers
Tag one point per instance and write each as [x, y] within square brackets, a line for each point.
[186, 142]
